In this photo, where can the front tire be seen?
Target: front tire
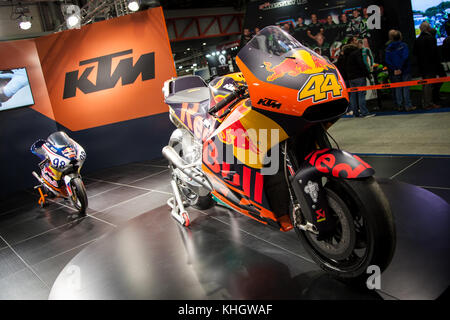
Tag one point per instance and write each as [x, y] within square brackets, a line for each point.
[365, 231]
[79, 196]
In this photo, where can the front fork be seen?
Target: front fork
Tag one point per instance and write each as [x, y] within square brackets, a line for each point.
[309, 189]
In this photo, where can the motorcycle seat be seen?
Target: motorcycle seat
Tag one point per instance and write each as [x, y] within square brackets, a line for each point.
[191, 95]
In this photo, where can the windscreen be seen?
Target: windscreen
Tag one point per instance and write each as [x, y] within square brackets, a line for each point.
[59, 139]
[273, 41]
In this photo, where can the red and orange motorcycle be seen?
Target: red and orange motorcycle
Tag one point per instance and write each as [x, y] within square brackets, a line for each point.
[257, 142]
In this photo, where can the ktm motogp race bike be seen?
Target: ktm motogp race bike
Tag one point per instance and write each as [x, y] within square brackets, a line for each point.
[257, 142]
[62, 159]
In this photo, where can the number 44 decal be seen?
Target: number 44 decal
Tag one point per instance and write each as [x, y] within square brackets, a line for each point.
[318, 85]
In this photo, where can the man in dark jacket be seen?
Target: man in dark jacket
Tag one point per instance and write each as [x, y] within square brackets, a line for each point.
[440, 72]
[314, 28]
[300, 31]
[425, 49]
[356, 73]
[397, 61]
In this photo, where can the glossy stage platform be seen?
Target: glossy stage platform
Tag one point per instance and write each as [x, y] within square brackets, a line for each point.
[129, 247]
[227, 256]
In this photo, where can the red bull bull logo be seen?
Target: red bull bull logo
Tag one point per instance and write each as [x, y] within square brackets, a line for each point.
[301, 62]
[237, 135]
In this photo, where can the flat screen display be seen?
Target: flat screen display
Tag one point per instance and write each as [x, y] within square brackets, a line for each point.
[436, 12]
[15, 90]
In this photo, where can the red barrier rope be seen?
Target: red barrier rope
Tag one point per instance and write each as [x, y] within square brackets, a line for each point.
[399, 84]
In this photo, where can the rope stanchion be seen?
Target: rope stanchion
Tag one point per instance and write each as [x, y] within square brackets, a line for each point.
[399, 84]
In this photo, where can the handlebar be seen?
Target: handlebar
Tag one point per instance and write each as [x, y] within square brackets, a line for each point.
[223, 103]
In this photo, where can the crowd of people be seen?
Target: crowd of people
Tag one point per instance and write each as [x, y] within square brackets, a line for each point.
[347, 45]
[324, 38]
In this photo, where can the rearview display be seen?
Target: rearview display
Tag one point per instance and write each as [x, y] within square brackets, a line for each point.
[15, 89]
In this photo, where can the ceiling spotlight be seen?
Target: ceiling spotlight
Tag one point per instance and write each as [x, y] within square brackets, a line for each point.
[133, 5]
[188, 49]
[180, 67]
[73, 20]
[217, 52]
[204, 43]
[72, 14]
[194, 65]
[208, 55]
[24, 22]
[213, 54]
[223, 52]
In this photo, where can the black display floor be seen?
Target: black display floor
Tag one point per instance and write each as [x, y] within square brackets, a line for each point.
[222, 255]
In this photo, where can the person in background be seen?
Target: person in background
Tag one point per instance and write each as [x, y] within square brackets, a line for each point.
[322, 47]
[343, 28]
[340, 64]
[246, 37]
[446, 44]
[440, 72]
[287, 28]
[367, 54]
[255, 31]
[330, 30]
[397, 61]
[357, 26]
[365, 15]
[300, 31]
[356, 72]
[425, 49]
[314, 28]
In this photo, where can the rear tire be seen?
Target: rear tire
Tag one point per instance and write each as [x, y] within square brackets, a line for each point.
[204, 202]
[79, 196]
[366, 224]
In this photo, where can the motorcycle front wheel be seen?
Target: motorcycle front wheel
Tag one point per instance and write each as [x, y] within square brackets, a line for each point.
[364, 234]
[79, 196]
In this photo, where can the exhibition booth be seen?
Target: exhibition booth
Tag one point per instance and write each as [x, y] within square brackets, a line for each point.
[101, 84]
[245, 179]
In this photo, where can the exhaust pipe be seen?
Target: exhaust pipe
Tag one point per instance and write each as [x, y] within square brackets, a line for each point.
[170, 154]
[37, 177]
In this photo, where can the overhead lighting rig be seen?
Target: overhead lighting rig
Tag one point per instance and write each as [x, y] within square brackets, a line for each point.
[21, 13]
[72, 14]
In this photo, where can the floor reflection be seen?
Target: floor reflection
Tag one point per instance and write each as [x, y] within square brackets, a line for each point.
[227, 269]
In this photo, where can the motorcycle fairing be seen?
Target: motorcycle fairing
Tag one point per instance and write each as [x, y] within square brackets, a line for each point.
[240, 182]
[295, 77]
[308, 186]
[250, 146]
[56, 156]
[194, 117]
[36, 149]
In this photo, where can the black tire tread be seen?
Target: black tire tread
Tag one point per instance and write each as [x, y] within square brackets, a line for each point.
[366, 194]
[81, 194]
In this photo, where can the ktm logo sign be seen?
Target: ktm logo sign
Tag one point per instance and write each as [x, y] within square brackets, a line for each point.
[269, 103]
[107, 78]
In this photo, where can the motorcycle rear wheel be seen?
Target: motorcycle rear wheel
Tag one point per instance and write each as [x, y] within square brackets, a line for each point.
[195, 200]
[365, 231]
